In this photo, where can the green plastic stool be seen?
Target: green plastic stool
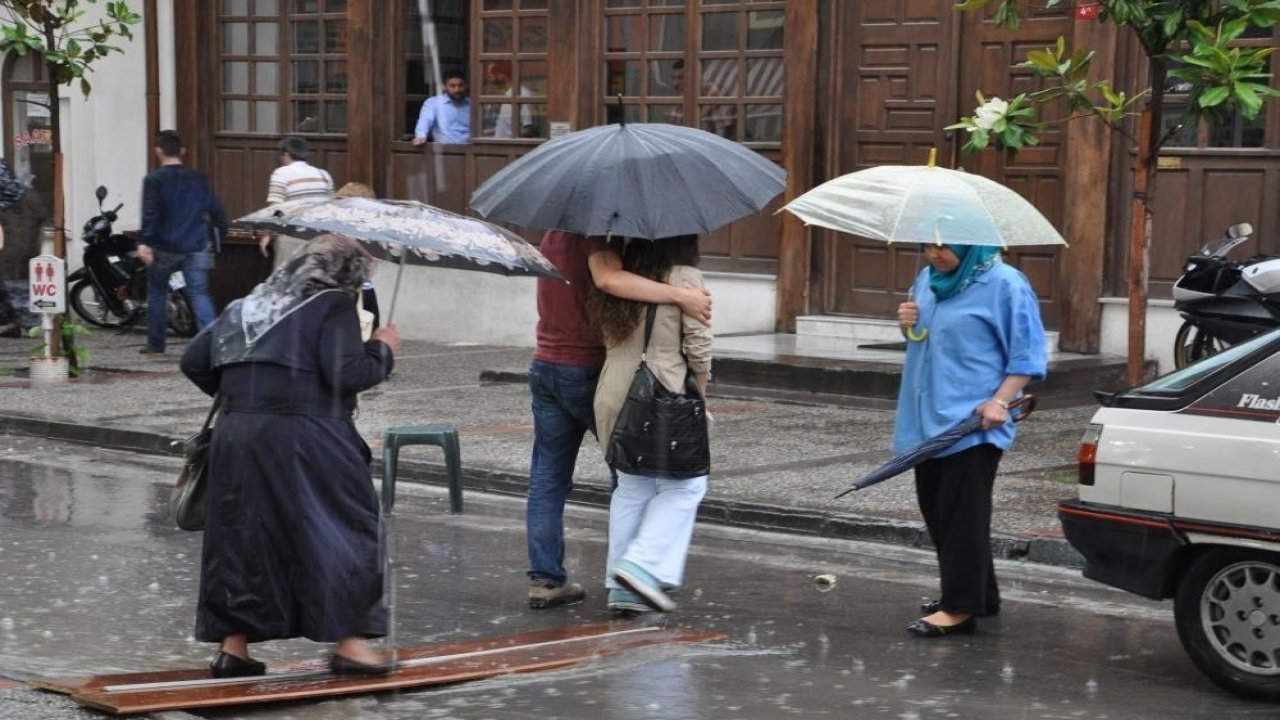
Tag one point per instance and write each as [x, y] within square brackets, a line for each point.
[443, 436]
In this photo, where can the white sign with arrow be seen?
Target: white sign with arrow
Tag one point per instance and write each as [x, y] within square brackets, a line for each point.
[47, 284]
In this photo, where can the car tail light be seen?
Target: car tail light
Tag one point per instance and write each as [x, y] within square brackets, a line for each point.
[1087, 455]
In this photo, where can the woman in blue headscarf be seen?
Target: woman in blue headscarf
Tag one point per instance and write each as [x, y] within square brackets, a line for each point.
[975, 339]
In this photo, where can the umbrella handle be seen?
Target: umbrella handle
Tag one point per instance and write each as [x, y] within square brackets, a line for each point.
[1024, 406]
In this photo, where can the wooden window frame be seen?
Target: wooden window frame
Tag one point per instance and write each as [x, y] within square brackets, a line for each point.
[518, 12]
[694, 58]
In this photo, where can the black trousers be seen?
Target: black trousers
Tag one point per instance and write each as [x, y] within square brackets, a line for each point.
[955, 498]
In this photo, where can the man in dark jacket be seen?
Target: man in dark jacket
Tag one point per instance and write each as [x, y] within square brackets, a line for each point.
[178, 205]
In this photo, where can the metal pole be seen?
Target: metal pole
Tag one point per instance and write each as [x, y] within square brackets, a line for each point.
[395, 294]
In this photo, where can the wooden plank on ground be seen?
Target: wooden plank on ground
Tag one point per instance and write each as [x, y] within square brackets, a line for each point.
[418, 667]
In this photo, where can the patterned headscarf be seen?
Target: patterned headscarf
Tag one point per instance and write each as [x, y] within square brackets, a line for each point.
[327, 262]
[974, 260]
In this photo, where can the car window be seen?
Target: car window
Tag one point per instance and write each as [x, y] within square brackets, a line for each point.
[1188, 376]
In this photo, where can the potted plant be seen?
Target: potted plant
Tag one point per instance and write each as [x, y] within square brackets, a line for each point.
[69, 363]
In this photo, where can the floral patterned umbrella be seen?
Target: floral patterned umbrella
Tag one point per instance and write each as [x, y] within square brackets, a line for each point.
[407, 231]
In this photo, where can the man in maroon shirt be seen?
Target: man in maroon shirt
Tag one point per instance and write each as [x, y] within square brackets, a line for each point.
[562, 380]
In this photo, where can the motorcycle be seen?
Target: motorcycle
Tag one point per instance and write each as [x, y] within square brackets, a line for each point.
[1222, 301]
[110, 288]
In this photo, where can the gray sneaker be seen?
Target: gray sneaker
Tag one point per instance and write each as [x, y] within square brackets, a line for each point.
[543, 596]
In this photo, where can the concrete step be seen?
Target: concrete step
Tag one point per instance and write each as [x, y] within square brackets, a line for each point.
[828, 366]
[871, 330]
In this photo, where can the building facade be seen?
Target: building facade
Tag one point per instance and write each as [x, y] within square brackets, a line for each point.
[823, 87]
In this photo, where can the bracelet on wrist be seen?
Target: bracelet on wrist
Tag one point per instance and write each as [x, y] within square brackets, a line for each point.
[1000, 402]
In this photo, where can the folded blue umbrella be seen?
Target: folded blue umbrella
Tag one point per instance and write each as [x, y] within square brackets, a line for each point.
[904, 461]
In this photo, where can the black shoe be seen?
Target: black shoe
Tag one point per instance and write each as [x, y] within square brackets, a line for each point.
[225, 665]
[346, 666]
[930, 607]
[924, 629]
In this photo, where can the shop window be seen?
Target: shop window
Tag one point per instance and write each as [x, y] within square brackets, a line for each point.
[283, 66]
[725, 77]
[445, 29]
[27, 116]
[513, 72]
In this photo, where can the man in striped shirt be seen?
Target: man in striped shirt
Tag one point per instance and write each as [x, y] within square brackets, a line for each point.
[295, 179]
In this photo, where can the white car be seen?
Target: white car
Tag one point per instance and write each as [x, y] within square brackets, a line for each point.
[1179, 498]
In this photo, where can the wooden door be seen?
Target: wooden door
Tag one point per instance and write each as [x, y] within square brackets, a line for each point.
[906, 70]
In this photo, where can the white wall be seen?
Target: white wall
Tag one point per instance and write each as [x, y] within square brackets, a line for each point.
[459, 306]
[1162, 325]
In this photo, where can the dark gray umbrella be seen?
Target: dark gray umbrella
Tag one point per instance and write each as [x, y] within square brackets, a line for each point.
[645, 180]
[908, 459]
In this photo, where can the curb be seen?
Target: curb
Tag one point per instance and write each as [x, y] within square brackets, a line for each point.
[732, 513]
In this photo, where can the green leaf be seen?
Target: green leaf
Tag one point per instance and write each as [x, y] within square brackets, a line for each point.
[1213, 97]
[84, 86]
[1247, 100]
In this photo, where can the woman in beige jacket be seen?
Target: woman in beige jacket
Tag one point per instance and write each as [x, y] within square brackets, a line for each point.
[650, 519]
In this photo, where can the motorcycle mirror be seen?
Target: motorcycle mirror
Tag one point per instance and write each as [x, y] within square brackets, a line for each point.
[101, 193]
[1239, 230]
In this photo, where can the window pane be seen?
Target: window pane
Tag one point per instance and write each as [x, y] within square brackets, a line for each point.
[533, 4]
[623, 33]
[764, 78]
[235, 38]
[1236, 131]
[335, 76]
[335, 36]
[335, 116]
[497, 77]
[235, 78]
[663, 78]
[497, 35]
[764, 123]
[266, 7]
[235, 115]
[622, 77]
[266, 116]
[720, 31]
[306, 77]
[666, 33]
[306, 115]
[266, 39]
[306, 36]
[1170, 118]
[673, 114]
[235, 7]
[614, 114]
[335, 6]
[533, 78]
[718, 2]
[497, 4]
[533, 35]
[622, 3]
[666, 3]
[266, 78]
[499, 120]
[719, 79]
[721, 120]
[307, 6]
[764, 30]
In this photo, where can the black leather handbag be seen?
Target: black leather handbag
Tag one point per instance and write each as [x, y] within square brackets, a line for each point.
[660, 433]
[187, 502]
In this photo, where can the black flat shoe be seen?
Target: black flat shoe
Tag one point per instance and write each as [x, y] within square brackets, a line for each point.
[924, 629]
[932, 606]
[346, 666]
[226, 665]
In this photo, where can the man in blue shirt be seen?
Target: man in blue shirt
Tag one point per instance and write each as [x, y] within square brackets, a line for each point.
[446, 118]
[178, 205]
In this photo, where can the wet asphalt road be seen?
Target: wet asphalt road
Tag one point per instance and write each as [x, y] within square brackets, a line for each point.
[95, 580]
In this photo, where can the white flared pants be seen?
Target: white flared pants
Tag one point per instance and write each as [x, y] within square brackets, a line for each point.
[651, 525]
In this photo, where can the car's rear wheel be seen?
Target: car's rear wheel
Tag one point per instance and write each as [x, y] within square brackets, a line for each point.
[1193, 343]
[1228, 616]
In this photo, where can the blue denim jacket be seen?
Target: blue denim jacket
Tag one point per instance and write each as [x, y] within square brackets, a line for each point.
[177, 206]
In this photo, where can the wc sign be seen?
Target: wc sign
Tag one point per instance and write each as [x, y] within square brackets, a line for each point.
[47, 284]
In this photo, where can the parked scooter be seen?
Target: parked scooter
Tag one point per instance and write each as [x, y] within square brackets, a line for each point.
[110, 289]
[1223, 301]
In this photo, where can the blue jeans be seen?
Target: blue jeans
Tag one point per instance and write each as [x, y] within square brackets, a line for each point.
[195, 269]
[563, 396]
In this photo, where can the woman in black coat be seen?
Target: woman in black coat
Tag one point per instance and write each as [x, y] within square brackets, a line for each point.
[292, 531]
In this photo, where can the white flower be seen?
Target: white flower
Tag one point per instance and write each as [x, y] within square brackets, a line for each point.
[987, 115]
